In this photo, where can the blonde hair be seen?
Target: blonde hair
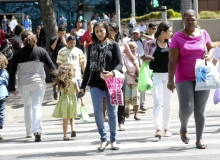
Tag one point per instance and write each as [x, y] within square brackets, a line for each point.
[3, 61]
[64, 77]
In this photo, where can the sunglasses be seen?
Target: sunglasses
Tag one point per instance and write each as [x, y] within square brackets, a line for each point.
[153, 28]
[188, 20]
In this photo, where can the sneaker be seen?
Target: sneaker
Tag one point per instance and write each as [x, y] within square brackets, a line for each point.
[158, 134]
[55, 96]
[143, 108]
[73, 134]
[167, 133]
[37, 137]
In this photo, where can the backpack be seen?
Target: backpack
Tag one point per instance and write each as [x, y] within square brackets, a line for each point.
[8, 51]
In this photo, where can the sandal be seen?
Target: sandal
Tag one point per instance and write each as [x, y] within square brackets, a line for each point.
[73, 134]
[66, 138]
[37, 137]
[121, 128]
[185, 139]
[158, 134]
[115, 147]
[1, 138]
[101, 149]
[201, 146]
[106, 119]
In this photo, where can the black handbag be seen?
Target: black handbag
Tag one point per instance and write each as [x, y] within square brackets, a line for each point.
[8, 50]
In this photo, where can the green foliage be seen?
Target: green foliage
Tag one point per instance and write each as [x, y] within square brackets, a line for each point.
[170, 13]
[154, 16]
[208, 15]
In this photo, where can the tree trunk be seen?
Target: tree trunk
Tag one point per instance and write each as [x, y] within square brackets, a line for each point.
[50, 25]
[185, 5]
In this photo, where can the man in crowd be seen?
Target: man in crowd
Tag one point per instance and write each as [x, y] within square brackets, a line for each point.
[13, 23]
[27, 23]
[56, 43]
[142, 27]
[4, 24]
[132, 24]
[152, 28]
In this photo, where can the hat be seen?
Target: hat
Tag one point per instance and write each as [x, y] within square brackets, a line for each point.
[136, 29]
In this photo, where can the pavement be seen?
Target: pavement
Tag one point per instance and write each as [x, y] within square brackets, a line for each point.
[136, 142]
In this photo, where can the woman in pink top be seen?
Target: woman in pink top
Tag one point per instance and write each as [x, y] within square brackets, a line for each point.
[87, 36]
[185, 48]
[113, 29]
[2, 35]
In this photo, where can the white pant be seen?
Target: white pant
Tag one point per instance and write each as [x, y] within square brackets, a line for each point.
[32, 96]
[162, 98]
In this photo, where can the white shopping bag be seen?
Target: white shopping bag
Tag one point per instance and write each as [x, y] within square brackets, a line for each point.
[207, 76]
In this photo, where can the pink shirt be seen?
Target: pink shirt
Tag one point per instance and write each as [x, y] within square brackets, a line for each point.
[191, 49]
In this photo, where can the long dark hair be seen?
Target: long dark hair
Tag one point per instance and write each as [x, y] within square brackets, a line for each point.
[116, 29]
[105, 26]
[163, 26]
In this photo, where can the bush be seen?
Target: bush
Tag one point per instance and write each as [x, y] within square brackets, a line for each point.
[177, 15]
[208, 15]
[170, 13]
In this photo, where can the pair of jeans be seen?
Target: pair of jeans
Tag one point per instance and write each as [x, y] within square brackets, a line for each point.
[97, 100]
[2, 112]
[32, 96]
[162, 101]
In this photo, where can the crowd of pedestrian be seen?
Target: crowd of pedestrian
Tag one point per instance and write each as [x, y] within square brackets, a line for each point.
[106, 55]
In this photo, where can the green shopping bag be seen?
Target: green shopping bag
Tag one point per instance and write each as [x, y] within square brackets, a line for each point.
[144, 80]
[84, 114]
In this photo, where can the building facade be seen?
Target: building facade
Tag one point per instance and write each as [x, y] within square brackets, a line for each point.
[210, 5]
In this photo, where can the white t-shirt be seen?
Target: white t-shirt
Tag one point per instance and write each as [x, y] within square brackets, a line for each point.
[217, 56]
[142, 28]
[140, 48]
[133, 21]
[12, 24]
[72, 56]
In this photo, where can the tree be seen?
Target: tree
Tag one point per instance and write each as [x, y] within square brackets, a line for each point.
[50, 24]
[185, 5]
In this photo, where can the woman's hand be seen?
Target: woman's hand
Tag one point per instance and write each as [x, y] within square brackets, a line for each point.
[207, 57]
[170, 85]
[106, 74]
[14, 93]
[147, 60]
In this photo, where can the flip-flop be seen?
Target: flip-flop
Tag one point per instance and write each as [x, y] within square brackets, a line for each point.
[121, 128]
[66, 138]
[101, 149]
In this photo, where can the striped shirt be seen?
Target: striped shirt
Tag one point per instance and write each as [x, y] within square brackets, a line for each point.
[74, 57]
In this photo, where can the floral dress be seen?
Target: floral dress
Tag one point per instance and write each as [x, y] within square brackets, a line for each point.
[66, 106]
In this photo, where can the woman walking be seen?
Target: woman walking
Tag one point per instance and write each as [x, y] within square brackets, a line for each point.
[159, 49]
[103, 58]
[87, 37]
[185, 48]
[113, 29]
[29, 64]
[78, 33]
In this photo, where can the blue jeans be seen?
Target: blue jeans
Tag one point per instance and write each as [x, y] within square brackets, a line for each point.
[2, 112]
[97, 100]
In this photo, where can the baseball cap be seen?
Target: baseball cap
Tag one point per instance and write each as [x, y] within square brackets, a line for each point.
[136, 29]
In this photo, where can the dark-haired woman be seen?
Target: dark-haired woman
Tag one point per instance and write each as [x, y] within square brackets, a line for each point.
[185, 48]
[159, 49]
[29, 64]
[113, 29]
[104, 57]
[78, 33]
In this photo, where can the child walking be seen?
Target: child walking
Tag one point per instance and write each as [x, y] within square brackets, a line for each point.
[3, 89]
[66, 107]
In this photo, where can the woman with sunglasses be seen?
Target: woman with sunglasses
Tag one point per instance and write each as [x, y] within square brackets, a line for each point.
[185, 48]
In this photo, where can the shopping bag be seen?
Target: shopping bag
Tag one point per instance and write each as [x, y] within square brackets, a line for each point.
[84, 114]
[144, 80]
[114, 85]
[207, 76]
[216, 98]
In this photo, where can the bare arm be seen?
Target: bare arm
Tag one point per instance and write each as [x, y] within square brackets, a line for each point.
[83, 66]
[211, 50]
[173, 58]
[214, 61]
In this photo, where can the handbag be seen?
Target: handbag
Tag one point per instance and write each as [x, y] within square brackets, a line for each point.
[84, 114]
[114, 85]
[207, 76]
